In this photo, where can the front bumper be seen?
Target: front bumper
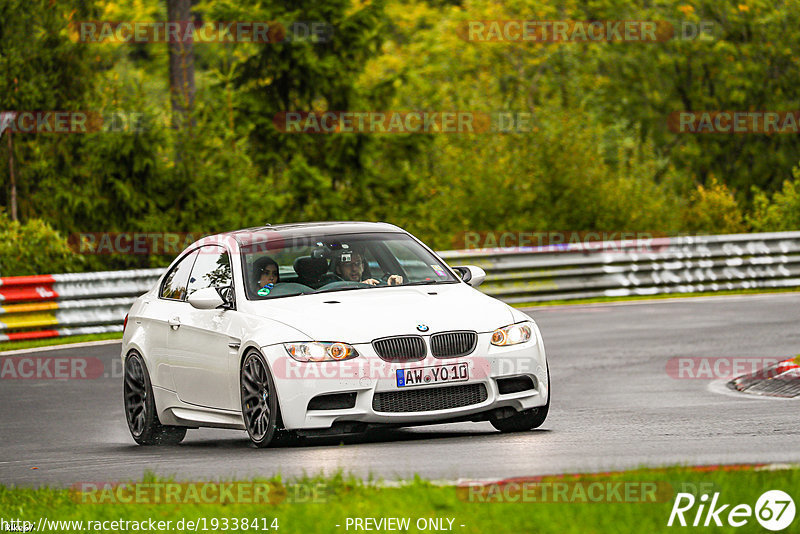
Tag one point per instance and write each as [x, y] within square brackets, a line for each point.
[367, 375]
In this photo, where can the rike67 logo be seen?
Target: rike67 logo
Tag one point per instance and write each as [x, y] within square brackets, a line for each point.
[774, 510]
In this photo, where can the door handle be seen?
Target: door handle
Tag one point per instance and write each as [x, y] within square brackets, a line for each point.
[174, 322]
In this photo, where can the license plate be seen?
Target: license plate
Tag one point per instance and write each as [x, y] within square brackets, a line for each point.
[439, 374]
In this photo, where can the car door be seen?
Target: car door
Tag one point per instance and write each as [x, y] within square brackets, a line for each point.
[157, 313]
[203, 345]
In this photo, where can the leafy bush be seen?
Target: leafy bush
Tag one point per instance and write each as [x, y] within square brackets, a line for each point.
[558, 178]
[34, 248]
[714, 210]
[781, 212]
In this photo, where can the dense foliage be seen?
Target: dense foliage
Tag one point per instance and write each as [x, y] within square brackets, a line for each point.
[599, 154]
[44, 251]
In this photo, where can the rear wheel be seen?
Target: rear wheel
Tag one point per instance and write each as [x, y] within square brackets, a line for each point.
[527, 419]
[260, 409]
[140, 407]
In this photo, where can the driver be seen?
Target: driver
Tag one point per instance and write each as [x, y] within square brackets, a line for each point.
[351, 267]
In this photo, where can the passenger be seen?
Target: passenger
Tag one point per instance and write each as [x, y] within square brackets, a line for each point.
[351, 266]
[267, 273]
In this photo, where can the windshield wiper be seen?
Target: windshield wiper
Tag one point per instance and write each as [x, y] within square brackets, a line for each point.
[422, 283]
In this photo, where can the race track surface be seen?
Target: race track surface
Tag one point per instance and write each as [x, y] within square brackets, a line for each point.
[614, 407]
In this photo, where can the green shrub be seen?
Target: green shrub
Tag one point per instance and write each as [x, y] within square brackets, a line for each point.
[34, 248]
[779, 213]
[714, 210]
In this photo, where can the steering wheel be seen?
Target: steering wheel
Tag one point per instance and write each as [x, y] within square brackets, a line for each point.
[337, 284]
[329, 278]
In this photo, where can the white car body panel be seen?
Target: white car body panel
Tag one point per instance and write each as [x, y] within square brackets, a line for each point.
[204, 367]
[364, 315]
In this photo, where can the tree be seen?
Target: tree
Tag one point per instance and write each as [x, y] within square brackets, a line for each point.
[42, 70]
[318, 176]
[181, 64]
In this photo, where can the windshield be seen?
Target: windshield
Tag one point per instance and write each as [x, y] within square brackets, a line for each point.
[331, 263]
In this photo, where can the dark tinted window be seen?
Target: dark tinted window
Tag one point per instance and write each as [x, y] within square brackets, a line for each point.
[211, 269]
[176, 281]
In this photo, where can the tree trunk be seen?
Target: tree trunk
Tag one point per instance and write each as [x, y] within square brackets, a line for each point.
[181, 64]
[13, 178]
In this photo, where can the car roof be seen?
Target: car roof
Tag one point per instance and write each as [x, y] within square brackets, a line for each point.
[257, 234]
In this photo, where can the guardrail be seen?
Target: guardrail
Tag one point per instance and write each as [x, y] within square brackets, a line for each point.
[630, 268]
[68, 304]
[33, 307]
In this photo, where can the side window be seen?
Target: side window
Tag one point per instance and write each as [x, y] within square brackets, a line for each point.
[212, 269]
[174, 286]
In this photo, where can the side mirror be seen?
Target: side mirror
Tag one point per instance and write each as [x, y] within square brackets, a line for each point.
[226, 293]
[471, 274]
[208, 298]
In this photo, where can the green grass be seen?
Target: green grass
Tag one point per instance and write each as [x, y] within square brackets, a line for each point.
[339, 498]
[757, 291]
[33, 343]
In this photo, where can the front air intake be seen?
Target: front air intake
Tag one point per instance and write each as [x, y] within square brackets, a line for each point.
[514, 384]
[333, 401]
[429, 399]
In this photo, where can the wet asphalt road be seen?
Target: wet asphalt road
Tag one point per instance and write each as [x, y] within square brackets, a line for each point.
[615, 406]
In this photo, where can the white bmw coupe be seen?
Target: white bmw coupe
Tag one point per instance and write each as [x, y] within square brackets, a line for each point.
[325, 328]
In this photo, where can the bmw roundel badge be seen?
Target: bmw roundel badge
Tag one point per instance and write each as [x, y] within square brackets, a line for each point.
[422, 327]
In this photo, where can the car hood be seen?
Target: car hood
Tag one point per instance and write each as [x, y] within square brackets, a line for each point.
[359, 316]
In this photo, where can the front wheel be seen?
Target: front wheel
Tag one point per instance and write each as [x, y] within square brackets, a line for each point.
[140, 407]
[260, 409]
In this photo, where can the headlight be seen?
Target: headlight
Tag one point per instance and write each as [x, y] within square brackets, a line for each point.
[512, 334]
[318, 351]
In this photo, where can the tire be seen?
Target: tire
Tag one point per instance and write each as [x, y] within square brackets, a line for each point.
[527, 419]
[260, 410]
[140, 407]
